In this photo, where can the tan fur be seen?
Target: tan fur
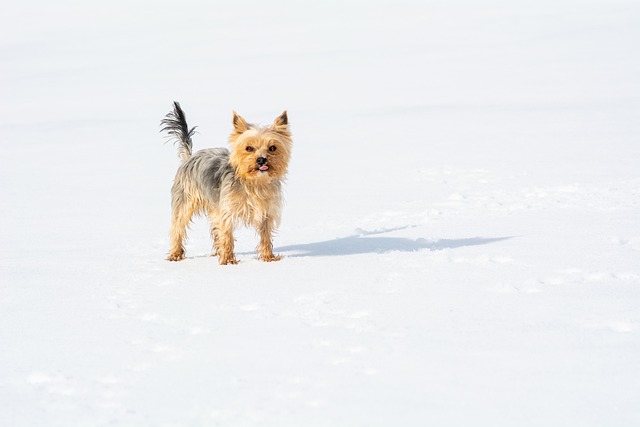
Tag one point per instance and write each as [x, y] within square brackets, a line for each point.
[246, 195]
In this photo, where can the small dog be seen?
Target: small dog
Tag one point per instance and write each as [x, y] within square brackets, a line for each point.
[238, 186]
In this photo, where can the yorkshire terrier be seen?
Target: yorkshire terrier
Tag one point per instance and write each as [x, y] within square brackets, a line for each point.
[242, 185]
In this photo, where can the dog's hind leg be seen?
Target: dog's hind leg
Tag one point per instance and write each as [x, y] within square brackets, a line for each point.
[265, 247]
[222, 230]
[180, 218]
[215, 231]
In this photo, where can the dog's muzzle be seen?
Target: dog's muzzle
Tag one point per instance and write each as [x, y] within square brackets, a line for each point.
[262, 164]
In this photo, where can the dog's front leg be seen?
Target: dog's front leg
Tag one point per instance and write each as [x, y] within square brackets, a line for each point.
[265, 248]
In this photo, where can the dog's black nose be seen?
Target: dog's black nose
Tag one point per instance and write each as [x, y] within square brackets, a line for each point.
[261, 161]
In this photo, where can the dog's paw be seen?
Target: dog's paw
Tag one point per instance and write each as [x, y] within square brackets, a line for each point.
[178, 256]
[227, 259]
[270, 258]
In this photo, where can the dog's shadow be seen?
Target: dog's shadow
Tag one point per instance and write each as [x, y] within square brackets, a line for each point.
[363, 243]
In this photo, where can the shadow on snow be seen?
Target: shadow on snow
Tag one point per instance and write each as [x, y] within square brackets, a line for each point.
[361, 243]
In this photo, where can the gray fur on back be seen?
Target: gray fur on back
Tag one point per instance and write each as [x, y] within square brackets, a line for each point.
[208, 169]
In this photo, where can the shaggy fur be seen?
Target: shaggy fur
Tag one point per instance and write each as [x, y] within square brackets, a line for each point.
[242, 185]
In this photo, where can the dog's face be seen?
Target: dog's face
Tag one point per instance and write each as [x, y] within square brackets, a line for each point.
[260, 154]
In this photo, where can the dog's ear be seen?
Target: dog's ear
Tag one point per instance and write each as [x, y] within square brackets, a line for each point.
[239, 124]
[281, 122]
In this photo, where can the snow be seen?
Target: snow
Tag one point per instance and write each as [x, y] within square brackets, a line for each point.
[461, 234]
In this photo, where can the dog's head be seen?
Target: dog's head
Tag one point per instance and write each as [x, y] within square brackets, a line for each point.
[260, 154]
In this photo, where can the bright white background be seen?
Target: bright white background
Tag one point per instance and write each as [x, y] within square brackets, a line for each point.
[461, 235]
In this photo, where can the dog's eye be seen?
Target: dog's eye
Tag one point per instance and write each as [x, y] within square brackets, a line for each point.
[272, 148]
[249, 149]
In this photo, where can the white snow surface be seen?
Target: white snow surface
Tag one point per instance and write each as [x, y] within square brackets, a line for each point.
[461, 237]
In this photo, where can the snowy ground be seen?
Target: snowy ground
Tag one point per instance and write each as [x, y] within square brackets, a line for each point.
[461, 237]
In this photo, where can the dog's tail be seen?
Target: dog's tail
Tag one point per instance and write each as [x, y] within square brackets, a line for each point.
[175, 124]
